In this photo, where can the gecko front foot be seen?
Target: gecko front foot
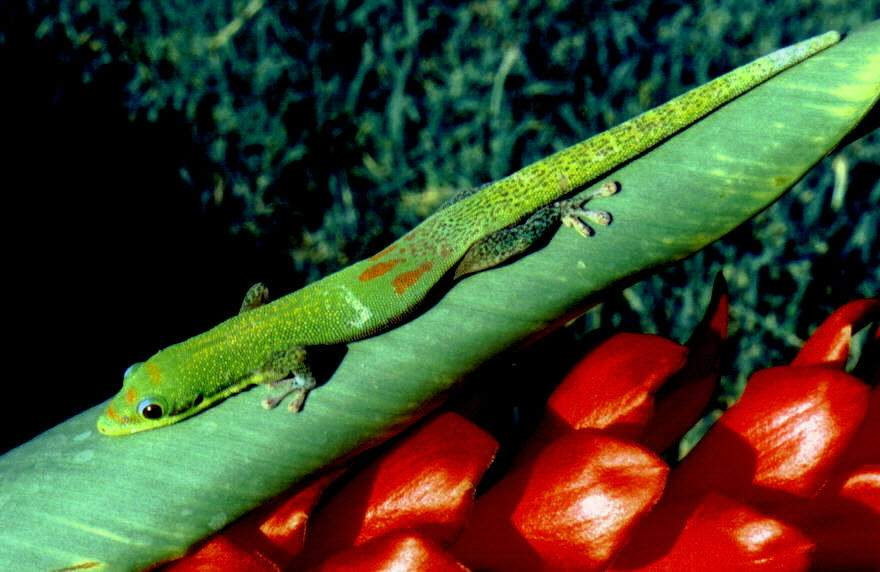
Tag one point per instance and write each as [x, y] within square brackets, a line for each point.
[298, 385]
[286, 373]
[573, 214]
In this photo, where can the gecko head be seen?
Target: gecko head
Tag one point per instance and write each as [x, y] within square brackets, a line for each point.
[141, 404]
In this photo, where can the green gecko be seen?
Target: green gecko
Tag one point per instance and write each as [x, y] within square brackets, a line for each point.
[266, 342]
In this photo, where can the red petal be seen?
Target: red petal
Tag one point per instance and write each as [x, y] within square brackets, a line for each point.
[864, 486]
[714, 533]
[853, 529]
[829, 344]
[864, 449]
[680, 402]
[843, 522]
[781, 441]
[285, 527]
[395, 551]
[425, 482]
[222, 554]
[572, 507]
[612, 387]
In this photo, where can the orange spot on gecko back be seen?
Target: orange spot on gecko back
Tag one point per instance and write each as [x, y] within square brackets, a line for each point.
[378, 269]
[131, 395]
[403, 281]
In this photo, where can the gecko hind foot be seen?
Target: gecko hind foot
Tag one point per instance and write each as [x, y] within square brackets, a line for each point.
[502, 245]
[573, 217]
[573, 214]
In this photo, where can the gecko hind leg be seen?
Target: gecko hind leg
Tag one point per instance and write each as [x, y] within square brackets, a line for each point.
[508, 242]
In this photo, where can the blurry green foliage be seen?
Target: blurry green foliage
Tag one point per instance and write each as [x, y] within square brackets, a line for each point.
[339, 124]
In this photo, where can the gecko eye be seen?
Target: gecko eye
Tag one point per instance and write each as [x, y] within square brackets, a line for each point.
[150, 409]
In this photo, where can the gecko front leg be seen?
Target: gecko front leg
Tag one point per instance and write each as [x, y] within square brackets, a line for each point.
[516, 239]
[286, 371]
[287, 374]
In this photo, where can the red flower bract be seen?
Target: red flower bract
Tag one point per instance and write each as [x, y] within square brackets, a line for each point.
[571, 506]
[612, 387]
[780, 441]
[787, 479]
[712, 532]
[394, 552]
[425, 483]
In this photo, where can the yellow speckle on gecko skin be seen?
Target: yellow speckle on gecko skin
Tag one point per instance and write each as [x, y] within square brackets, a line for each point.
[153, 372]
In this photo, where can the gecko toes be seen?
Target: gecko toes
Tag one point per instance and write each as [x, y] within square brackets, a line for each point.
[606, 190]
[574, 215]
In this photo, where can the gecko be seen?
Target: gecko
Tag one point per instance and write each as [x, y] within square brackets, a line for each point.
[267, 342]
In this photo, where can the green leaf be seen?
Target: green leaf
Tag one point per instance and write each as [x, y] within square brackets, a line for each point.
[72, 497]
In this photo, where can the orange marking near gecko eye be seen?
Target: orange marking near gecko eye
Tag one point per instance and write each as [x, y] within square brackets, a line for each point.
[111, 414]
[131, 395]
[403, 281]
[379, 269]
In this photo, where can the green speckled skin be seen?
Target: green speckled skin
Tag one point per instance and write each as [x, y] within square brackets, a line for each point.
[375, 294]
